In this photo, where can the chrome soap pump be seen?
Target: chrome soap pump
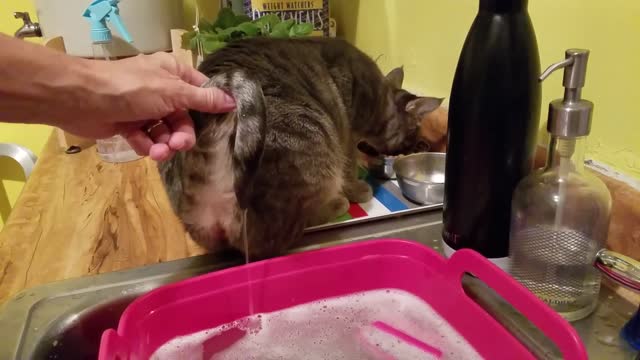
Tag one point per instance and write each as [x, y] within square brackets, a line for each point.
[560, 214]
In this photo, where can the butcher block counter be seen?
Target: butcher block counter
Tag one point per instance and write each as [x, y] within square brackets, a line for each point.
[78, 215]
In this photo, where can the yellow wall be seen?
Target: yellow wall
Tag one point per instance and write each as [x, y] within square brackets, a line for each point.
[207, 9]
[426, 36]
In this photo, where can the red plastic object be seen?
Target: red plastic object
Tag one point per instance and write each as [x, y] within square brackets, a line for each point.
[217, 298]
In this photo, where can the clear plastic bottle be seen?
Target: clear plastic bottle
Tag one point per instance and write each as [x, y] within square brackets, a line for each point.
[560, 214]
[114, 149]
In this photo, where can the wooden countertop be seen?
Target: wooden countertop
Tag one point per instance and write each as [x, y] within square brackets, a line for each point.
[80, 216]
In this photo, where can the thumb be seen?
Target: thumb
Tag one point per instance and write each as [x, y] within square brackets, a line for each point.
[208, 100]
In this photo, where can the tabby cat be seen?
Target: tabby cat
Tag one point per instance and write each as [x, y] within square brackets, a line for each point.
[287, 154]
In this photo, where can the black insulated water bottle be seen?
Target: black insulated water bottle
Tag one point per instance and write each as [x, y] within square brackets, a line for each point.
[494, 113]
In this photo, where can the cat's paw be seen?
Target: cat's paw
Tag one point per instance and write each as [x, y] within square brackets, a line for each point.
[331, 211]
[338, 207]
[358, 192]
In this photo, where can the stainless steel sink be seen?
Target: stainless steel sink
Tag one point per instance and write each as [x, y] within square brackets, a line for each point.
[65, 320]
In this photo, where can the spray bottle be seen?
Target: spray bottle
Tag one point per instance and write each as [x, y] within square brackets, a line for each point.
[114, 149]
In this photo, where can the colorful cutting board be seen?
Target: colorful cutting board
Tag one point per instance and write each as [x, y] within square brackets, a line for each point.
[387, 199]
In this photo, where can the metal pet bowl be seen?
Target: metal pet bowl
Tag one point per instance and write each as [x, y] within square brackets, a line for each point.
[421, 177]
[381, 166]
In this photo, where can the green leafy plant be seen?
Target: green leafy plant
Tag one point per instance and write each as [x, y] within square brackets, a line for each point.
[229, 26]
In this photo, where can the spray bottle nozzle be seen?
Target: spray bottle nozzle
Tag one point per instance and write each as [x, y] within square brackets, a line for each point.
[99, 13]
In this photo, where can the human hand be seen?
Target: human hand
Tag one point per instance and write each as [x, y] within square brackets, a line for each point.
[146, 99]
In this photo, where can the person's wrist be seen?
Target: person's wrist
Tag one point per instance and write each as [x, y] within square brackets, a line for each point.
[61, 89]
[96, 88]
[91, 77]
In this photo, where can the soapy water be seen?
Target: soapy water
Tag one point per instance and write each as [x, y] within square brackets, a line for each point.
[335, 328]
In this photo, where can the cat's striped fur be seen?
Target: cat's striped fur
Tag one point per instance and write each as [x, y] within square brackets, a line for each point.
[287, 154]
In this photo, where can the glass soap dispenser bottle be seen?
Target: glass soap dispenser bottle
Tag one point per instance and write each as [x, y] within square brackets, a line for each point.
[560, 213]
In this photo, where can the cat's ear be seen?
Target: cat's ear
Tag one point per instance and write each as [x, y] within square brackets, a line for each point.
[395, 77]
[423, 105]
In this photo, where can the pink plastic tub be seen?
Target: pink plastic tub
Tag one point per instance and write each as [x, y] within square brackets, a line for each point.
[221, 297]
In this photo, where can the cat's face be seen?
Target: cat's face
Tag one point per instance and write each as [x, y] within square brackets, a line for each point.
[402, 115]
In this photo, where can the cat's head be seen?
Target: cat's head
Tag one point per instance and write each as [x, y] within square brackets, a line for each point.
[400, 117]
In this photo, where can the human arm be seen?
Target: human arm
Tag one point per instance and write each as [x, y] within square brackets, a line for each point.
[98, 99]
